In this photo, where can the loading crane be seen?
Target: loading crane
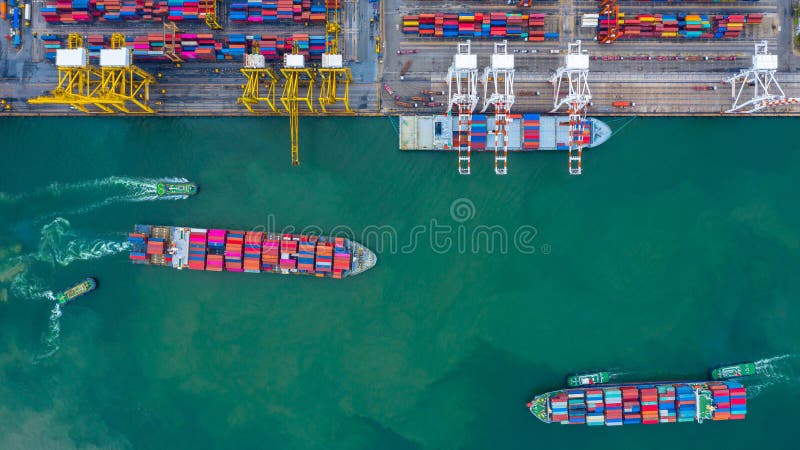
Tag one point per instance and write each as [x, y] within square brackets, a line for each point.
[574, 73]
[761, 76]
[208, 11]
[256, 71]
[169, 34]
[295, 73]
[462, 79]
[333, 72]
[124, 85]
[77, 79]
[609, 12]
[501, 68]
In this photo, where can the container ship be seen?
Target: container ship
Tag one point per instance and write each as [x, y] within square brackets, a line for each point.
[526, 132]
[216, 250]
[643, 403]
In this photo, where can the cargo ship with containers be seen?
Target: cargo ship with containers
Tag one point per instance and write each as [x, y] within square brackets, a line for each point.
[643, 403]
[218, 250]
[526, 133]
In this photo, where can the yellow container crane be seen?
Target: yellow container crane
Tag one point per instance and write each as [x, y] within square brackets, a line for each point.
[296, 73]
[123, 85]
[256, 71]
[208, 12]
[333, 73]
[77, 79]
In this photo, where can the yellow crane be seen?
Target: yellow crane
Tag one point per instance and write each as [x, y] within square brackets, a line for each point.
[124, 86]
[333, 73]
[209, 8]
[256, 71]
[77, 79]
[296, 73]
[169, 33]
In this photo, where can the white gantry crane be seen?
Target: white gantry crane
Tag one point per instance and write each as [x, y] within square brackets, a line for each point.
[462, 80]
[500, 73]
[761, 77]
[573, 73]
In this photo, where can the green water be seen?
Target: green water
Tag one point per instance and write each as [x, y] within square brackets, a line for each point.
[675, 251]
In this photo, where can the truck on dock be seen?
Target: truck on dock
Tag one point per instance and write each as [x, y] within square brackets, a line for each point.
[623, 104]
[403, 104]
[405, 68]
[429, 92]
[408, 51]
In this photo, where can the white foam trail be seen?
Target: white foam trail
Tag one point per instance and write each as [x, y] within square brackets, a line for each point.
[116, 189]
[773, 371]
[52, 337]
[23, 286]
[59, 245]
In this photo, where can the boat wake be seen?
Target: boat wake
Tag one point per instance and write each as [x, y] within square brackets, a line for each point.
[51, 338]
[86, 196]
[59, 245]
[775, 371]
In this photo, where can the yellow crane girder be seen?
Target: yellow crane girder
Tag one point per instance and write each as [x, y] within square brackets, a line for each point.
[290, 99]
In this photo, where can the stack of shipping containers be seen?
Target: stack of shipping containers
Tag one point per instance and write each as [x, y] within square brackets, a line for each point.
[680, 26]
[197, 250]
[288, 253]
[270, 254]
[632, 410]
[738, 396]
[324, 263]
[233, 251]
[576, 407]
[478, 24]
[138, 243]
[216, 250]
[649, 401]
[252, 251]
[479, 132]
[341, 258]
[666, 404]
[594, 407]
[305, 256]
[530, 131]
[258, 11]
[558, 406]
[613, 398]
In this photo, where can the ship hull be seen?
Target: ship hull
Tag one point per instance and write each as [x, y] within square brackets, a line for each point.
[526, 133]
[218, 250]
[642, 403]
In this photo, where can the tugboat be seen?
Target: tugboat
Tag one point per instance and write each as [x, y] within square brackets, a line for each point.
[168, 188]
[84, 287]
[587, 379]
[733, 371]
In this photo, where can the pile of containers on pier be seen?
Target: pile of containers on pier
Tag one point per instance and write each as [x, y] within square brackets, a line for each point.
[234, 244]
[258, 11]
[74, 11]
[530, 131]
[631, 409]
[479, 132]
[197, 250]
[478, 24]
[200, 46]
[679, 26]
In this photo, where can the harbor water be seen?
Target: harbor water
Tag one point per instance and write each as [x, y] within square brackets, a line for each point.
[675, 251]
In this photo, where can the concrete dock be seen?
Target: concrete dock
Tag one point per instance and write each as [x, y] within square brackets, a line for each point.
[653, 74]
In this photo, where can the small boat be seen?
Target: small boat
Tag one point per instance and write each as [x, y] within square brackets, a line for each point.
[586, 379]
[87, 285]
[165, 188]
[733, 371]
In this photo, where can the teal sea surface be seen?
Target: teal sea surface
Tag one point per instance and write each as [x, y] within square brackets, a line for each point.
[675, 251]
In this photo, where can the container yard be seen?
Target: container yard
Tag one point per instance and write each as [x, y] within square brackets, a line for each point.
[375, 57]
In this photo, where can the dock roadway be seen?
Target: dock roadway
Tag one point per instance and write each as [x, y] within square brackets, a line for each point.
[654, 74]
